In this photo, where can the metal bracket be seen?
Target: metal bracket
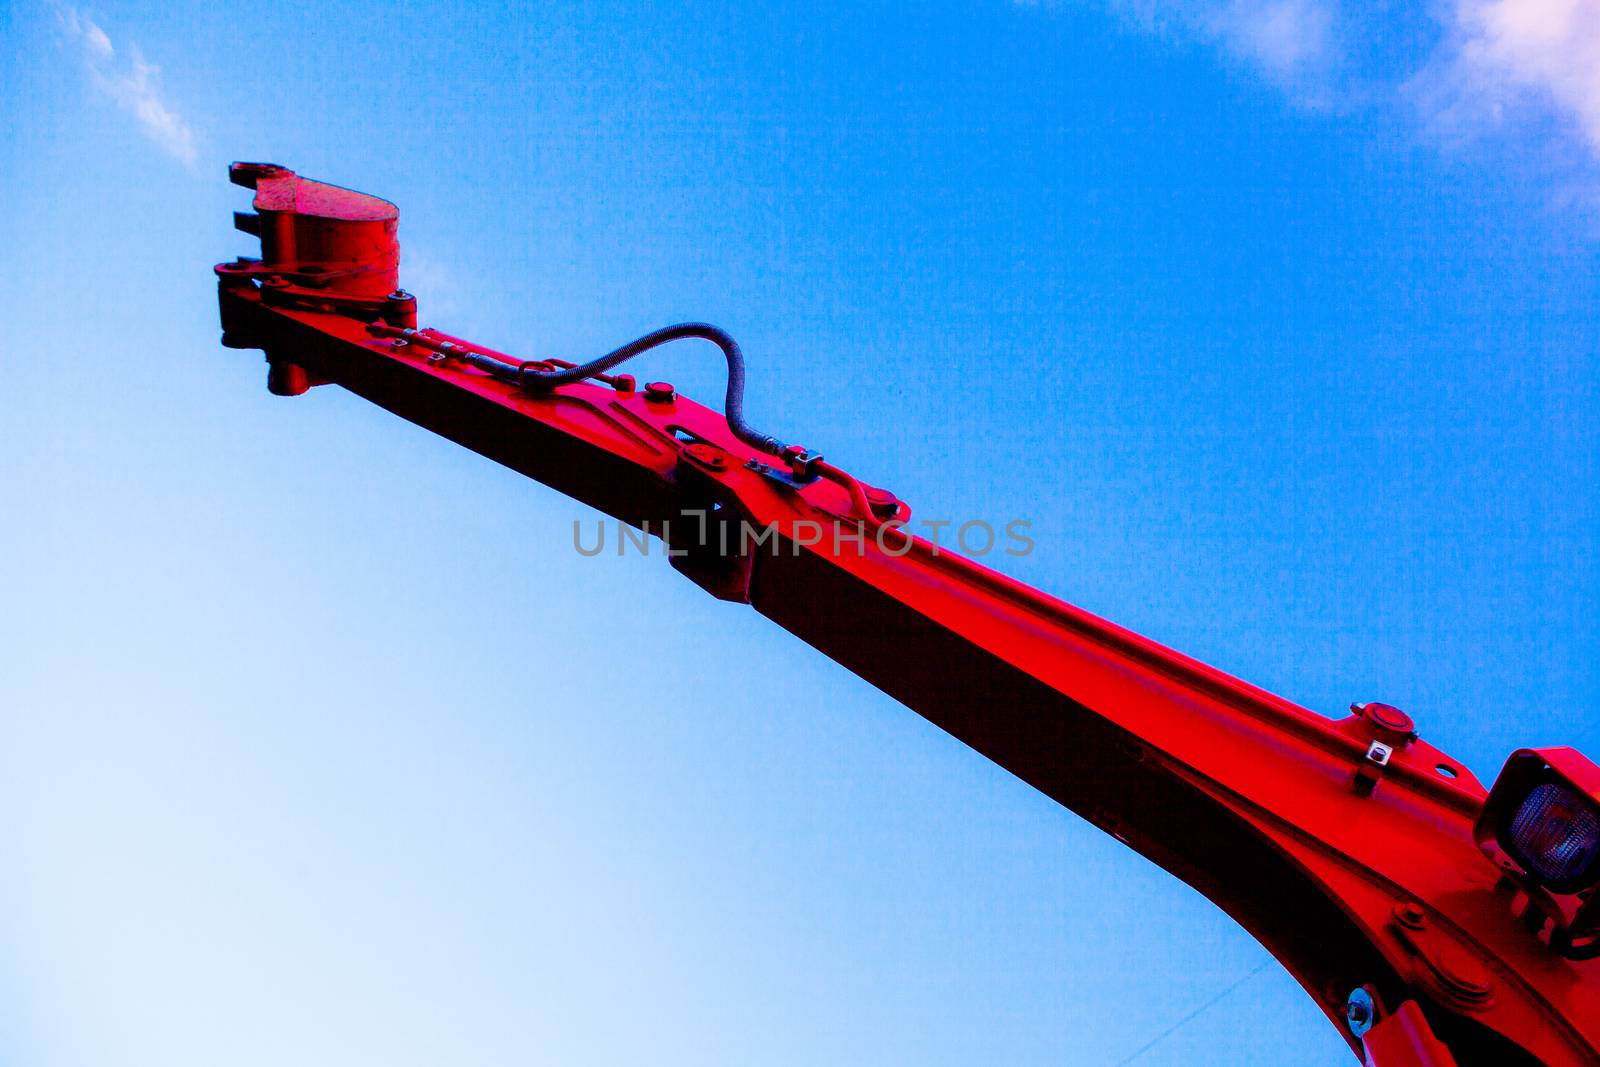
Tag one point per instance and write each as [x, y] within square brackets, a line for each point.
[785, 478]
[1372, 767]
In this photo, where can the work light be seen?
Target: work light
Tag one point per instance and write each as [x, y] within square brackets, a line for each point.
[1543, 814]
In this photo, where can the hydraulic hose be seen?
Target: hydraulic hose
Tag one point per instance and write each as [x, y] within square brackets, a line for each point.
[531, 375]
[537, 375]
[733, 403]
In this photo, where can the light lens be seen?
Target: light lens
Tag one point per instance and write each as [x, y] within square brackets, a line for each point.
[1556, 832]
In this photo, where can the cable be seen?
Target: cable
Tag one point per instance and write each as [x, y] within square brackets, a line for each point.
[1181, 1023]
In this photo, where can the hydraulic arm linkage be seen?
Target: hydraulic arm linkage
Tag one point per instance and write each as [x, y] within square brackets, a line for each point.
[1433, 921]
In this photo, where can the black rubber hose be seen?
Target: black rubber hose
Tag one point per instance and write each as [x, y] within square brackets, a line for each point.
[733, 405]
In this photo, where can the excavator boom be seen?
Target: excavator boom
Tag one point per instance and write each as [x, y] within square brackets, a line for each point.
[1432, 920]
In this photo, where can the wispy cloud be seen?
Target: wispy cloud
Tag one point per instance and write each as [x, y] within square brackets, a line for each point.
[132, 83]
[1501, 61]
[1525, 71]
[1292, 43]
[1285, 38]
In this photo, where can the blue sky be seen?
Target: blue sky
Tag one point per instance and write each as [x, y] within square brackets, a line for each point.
[1275, 317]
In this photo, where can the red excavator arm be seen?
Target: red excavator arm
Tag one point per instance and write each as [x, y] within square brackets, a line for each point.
[1433, 921]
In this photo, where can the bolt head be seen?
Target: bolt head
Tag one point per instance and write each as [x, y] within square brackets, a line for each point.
[884, 503]
[1359, 1011]
[1388, 723]
[708, 455]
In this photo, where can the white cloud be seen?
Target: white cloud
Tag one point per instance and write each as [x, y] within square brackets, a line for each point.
[1507, 59]
[1284, 37]
[1293, 43]
[133, 84]
[1525, 73]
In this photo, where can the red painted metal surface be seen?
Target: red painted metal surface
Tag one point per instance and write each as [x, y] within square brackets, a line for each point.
[1404, 1037]
[1345, 846]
